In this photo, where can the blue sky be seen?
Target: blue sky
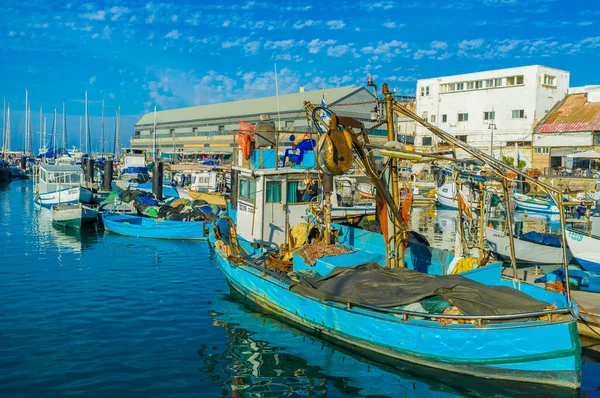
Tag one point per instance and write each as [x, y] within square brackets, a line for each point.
[182, 53]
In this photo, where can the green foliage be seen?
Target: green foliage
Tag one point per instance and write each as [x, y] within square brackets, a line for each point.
[509, 160]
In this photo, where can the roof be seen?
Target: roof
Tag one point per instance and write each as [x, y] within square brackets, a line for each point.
[257, 106]
[61, 167]
[575, 114]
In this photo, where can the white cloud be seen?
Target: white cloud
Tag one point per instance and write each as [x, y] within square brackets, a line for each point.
[470, 44]
[439, 45]
[338, 51]
[252, 47]
[315, 45]
[385, 47]
[226, 23]
[174, 34]
[106, 33]
[390, 25]
[336, 24]
[95, 35]
[94, 16]
[117, 12]
[279, 44]
[305, 24]
[421, 53]
[92, 80]
[234, 43]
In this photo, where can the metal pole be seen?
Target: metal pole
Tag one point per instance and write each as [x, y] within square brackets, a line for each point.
[509, 220]
[80, 133]
[102, 135]
[64, 127]
[26, 119]
[41, 130]
[154, 134]
[4, 128]
[564, 245]
[397, 259]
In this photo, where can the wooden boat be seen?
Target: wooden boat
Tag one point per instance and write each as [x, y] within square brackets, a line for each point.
[585, 249]
[529, 203]
[144, 227]
[60, 184]
[73, 215]
[526, 251]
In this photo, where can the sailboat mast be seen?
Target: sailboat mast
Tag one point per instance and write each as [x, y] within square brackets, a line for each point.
[4, 127]
[116, 146]
[118, 130]
[87, 126]
[45, 136]
[8, 127]
[54, 135]
[30, 135]
[154, 134]
[64, 126]
[26, 120]
[80, 129]
[102, 135]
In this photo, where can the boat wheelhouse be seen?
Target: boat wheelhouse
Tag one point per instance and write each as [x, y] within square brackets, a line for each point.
[61, 184]
[134, 165]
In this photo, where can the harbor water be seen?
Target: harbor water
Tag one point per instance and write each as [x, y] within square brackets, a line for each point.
[96, 314]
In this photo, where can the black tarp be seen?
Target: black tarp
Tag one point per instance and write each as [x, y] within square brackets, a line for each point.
[372, 284]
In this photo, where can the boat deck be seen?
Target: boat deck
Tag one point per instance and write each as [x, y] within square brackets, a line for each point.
[587, 300]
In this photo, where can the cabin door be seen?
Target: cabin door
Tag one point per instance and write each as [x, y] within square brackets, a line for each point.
[274, 218]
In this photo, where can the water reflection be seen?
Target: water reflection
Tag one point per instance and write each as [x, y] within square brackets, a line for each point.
[266, 357]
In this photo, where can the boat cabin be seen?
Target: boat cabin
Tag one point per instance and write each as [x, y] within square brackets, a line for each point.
[207, 181]
[58, 177]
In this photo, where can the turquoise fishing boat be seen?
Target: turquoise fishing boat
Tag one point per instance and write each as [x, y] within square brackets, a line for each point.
[145, 227]
[337, 281]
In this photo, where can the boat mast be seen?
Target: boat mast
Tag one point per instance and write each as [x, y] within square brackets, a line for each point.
[154, 134]
[45, 136]
[102, 135]
[26, 120]
[54, 135]
[117, 147]
[64, 126]
[4, 128]
[80, 129]
[30, 135]
[41, 131]
[8, 128]
[87, 126]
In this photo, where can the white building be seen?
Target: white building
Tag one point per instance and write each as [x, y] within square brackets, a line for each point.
[505, 102]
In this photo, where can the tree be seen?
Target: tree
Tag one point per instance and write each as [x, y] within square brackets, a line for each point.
[509, 160]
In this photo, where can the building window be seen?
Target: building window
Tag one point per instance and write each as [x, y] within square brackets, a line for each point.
[427, 90]
[489, 83]
[463, 117]
[451, 87]
[550, 80]
[541, 151]
[425, 116]
[444, 118]
[432, 118]
[470, 85]
[427, 141]
[172, 133]
[302, 191]
[498, 82]
[596, 139]
[491, 115]
[221, 129]
[194, 131]
[518, 143]
[514, 80]
[247, 189]
[460, 86]
[479, 84]
[273, 192]
[518, 114]
[462, 138]
[422, 91]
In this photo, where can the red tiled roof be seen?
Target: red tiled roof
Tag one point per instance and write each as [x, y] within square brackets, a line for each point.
[575, 114]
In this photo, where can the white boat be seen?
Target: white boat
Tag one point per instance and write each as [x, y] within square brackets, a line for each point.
[585, 249]
[73, 215]
[208, 181]
[447, 196]
[134, 165]
[525, 202]
[526, 251]
[60, 184]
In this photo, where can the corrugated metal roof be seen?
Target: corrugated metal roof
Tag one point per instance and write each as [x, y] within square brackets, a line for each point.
[287, 103]
[575, 114]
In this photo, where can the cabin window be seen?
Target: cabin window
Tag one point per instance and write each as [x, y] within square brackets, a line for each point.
[75, 178]
[302, 191]
[427, 141]
[247, 189]
[43, 175]
[273, 192]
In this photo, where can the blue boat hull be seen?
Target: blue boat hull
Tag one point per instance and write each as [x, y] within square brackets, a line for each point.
[144, 227]
[510, 351]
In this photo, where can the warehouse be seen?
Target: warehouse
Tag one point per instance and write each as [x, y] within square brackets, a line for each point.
[209, 129]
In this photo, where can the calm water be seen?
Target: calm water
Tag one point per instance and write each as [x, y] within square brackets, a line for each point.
[96, 314]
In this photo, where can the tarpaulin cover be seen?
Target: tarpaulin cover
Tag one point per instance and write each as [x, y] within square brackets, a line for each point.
[544, 239]
[371, 284]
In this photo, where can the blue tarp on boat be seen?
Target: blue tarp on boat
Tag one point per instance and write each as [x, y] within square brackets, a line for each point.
[543, 239]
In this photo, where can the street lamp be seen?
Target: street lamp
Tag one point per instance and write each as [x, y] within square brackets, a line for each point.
[492, 126]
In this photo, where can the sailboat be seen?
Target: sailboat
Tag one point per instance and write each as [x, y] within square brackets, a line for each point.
[347, 290]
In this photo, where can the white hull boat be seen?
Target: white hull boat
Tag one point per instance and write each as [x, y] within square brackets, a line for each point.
[447, 196]
[64, 196]
[73, 215]
[525, 251]
[529, 203]
[585, 249]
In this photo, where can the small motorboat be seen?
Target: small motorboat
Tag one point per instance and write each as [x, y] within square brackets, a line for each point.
[158, 228]
[73, 215]
[530, 203]
[585, 249]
